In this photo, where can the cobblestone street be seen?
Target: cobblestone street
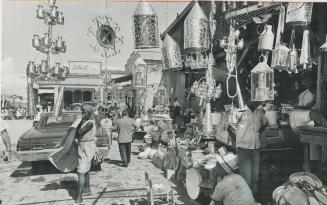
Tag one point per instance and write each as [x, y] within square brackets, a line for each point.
[19, 184]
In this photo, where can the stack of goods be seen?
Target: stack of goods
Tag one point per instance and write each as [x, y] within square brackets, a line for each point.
[302, 188]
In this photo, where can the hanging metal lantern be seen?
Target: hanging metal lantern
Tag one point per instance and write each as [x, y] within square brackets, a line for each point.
[65, 72]
[31, 69]
[57, 69]
[54, 12]
[59, 42]
[146, 32]
[37, 70]
[262, 82]
[196, 35]
[266, 39]
[60, 18]
[171, 54]
[40, 12]
[44, 67]
[46, 39]
[299, 14]
[279, 59]
[36, 41]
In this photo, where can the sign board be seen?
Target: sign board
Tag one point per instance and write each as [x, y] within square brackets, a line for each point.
[84, 68]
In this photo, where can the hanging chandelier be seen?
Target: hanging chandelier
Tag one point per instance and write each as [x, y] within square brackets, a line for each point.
[48, 45]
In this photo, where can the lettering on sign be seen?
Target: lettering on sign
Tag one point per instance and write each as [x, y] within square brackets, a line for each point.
[84, 68]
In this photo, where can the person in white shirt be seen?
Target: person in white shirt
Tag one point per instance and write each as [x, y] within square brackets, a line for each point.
[106, 123]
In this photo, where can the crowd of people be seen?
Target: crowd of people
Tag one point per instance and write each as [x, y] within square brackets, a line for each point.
[13, 113]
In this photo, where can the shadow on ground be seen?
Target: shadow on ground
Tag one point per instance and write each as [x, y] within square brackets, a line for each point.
[70, 185]
[39, 168]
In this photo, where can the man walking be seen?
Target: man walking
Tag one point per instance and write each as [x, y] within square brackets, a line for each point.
[125, 127]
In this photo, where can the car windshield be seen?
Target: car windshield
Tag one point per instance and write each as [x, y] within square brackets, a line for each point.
[65, 120]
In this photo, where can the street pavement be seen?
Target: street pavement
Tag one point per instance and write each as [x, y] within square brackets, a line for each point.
[113, 184]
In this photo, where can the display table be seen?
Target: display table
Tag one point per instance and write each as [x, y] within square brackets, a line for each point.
[312, 136]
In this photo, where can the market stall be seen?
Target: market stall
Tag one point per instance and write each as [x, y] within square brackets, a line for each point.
[273, 66]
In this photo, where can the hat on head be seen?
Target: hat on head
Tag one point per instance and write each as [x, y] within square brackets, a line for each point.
[87, 108]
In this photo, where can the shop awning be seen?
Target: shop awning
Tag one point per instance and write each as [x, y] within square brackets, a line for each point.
[45, 91]
[122, 79]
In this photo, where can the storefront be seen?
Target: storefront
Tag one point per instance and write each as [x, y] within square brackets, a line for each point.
[283, 81]
[80, 86]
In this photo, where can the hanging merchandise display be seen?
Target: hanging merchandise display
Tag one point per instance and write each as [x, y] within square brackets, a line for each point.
[305, 57]
[262, 82]
[145, 21]
[196, 35]
[280, 53]
[171, 55]
[293, 55]
[266, 39]
[299, 14]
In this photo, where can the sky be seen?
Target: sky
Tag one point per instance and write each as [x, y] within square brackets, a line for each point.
[19, 24]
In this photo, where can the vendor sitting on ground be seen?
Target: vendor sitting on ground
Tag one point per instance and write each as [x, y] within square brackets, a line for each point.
[231, 189]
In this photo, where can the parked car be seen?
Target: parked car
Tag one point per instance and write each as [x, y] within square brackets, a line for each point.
[37, 143]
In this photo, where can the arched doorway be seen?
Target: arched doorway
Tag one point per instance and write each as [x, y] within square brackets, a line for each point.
[87, 96]
[77, 96]
[68, 98]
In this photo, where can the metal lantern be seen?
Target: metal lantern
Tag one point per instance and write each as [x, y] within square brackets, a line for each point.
[299, 13]
[171, 54]
[65, 72]
[279, 59]
[196, 35]
[60, 18]
[63, 47]
[59, 42]
[40, 12]
[57, 69]
[262, 82]
[38, 70]
[36, 41]
[46, 39]
[31, 69]
[54, 12]
[44, 67]
[146, 32]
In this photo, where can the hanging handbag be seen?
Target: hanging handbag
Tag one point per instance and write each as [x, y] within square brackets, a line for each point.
[97, 159]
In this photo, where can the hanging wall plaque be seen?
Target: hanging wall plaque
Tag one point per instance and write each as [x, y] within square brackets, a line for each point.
[299, 13]
[171, 54]
[196, 35]
[146, 33]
